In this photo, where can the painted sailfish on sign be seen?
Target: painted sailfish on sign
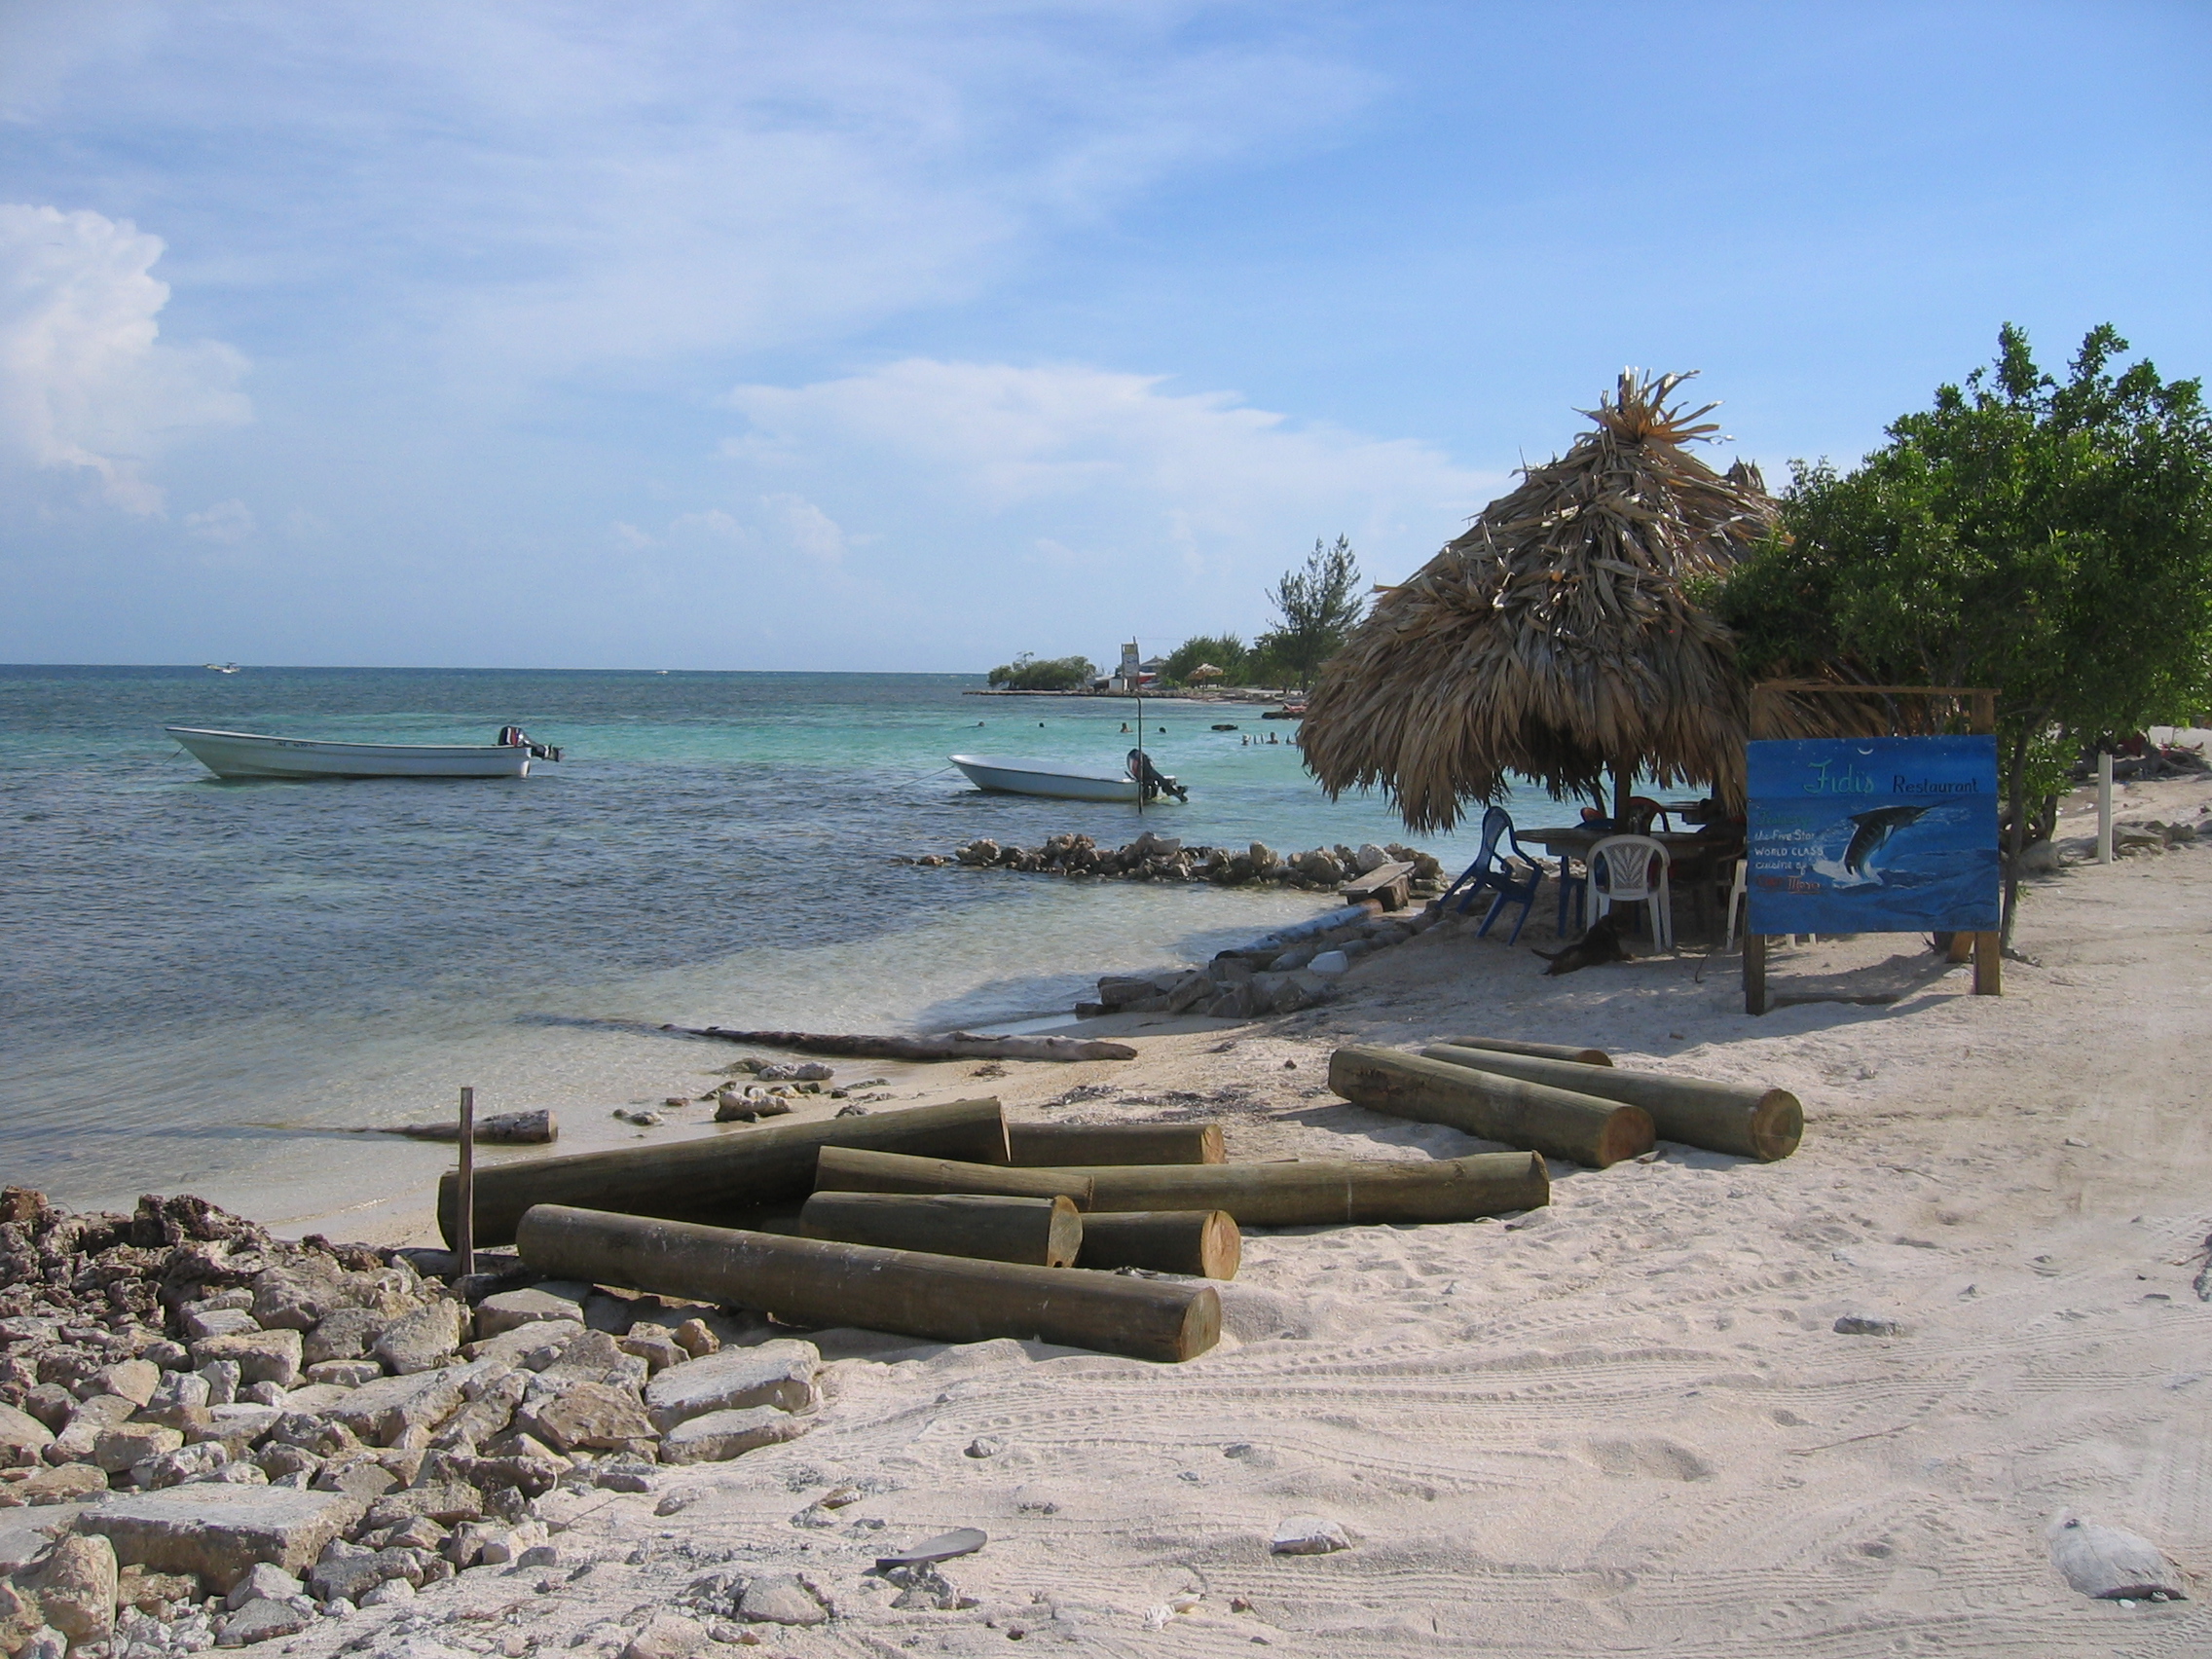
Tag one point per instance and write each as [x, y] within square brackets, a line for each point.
[1893, 834]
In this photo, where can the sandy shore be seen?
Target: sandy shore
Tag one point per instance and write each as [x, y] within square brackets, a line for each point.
[1623, 1424]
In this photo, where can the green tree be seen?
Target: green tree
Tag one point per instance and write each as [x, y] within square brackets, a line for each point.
[1226, 651]
[1316, 607]
[2051, 539]
[1028, 673]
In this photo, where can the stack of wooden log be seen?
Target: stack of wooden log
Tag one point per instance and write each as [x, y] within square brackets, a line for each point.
[948, 1221]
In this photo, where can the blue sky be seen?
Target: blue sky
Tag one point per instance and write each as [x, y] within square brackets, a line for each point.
[912, 336]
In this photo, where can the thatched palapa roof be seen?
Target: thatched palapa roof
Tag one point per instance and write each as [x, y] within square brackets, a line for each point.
[1554, 639]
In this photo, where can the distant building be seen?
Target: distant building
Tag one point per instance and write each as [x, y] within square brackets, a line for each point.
[1133, 674]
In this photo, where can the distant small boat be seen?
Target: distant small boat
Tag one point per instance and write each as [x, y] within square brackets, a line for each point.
[1057, 782]
[221, 667]
[250, 755]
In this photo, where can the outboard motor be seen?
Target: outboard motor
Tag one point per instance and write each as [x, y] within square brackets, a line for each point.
[514, 737]
[1153, 781]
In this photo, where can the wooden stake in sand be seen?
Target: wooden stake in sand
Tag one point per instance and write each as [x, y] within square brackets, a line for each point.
[1765, 1123]
[813, 1281]
[1205, 1243]
[1325, 1193]
[855, 1170]
[710, 1179]
[1555, 1121]
[1064, 1145]
[464, 1186]
[1045, 1233]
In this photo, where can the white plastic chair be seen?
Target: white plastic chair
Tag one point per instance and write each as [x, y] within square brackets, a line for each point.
[1736, 901]
[1620, 873]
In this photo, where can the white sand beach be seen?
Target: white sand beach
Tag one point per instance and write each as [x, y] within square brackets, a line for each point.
[1625, 1423]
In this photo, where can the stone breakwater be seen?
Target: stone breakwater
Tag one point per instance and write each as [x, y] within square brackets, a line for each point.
[1164, 857]
[1287, 970]
[218, 1437]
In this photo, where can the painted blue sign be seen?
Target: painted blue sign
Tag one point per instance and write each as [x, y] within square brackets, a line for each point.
[1873, 834]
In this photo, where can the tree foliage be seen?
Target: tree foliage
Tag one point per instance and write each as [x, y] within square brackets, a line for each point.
[2049, 539]
[1028, 673]
[1316, 609]
[1226, 651]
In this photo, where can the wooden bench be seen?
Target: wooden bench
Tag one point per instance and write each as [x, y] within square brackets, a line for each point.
[1388, 884]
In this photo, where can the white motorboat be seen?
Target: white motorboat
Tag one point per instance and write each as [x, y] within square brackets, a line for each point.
[250, 755]
[1061, 782]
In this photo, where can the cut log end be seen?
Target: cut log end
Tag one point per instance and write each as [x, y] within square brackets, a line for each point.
[1201, 1325]
[1628, 1133]
[1778, 1124]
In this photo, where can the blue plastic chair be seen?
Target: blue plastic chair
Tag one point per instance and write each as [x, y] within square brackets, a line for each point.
[1493, 872]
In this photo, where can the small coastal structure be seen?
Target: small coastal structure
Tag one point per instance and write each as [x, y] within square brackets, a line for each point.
[1556, 637]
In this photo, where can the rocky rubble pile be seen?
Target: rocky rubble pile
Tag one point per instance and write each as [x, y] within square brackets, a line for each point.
[235, 1436]
[1279, 975]
[1164, 857]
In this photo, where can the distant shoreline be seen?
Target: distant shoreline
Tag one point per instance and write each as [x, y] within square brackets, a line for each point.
[1226, 694]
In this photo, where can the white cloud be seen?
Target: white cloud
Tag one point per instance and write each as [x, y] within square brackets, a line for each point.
[630, 538]
[711, 522]
[1201, 473]
[85, 382]
[806, 527]
[226, 522]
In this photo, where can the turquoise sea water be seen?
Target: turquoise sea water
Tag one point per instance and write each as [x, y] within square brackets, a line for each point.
[201, 982]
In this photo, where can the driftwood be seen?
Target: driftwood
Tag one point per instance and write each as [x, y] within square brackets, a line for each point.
[715, 1178]
[1765, 1123]
[814, 1282]
[1045, 1233]
[856, 1170]
[1058, 1146]
[1201, 1242]
[953, 1045]
[503, 1128]
[1557, 1122]
[1535, 1051]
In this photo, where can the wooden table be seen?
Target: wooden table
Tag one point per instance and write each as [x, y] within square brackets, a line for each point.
[1691, 855]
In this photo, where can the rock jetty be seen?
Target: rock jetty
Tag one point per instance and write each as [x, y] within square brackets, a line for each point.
[1154, 857]
[217, 1437]
[1287, 970]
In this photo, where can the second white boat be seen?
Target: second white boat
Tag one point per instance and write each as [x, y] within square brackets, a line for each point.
[1056, 781]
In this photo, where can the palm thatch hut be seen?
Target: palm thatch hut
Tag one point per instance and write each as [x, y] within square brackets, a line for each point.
[1556, 638]
[1205, 671]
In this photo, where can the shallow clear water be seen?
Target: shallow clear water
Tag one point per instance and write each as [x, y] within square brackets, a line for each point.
[200, 981]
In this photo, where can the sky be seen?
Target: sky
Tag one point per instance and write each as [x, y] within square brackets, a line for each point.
[914, 336]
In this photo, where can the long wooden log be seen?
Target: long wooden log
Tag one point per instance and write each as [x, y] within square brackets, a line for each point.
[1063, 1146]
[1323, 1193]
[1045, 1232]
[852, 1169]
[815, 1282]
[1535, 1051]
[953, 1045]
[537, 1128]
[1765, 1123]
[1547, 1120]
[713, 1178]
[1205, 1243]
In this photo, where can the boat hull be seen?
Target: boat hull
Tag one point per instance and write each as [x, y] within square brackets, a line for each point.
[247, 755]
[1041, 778]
